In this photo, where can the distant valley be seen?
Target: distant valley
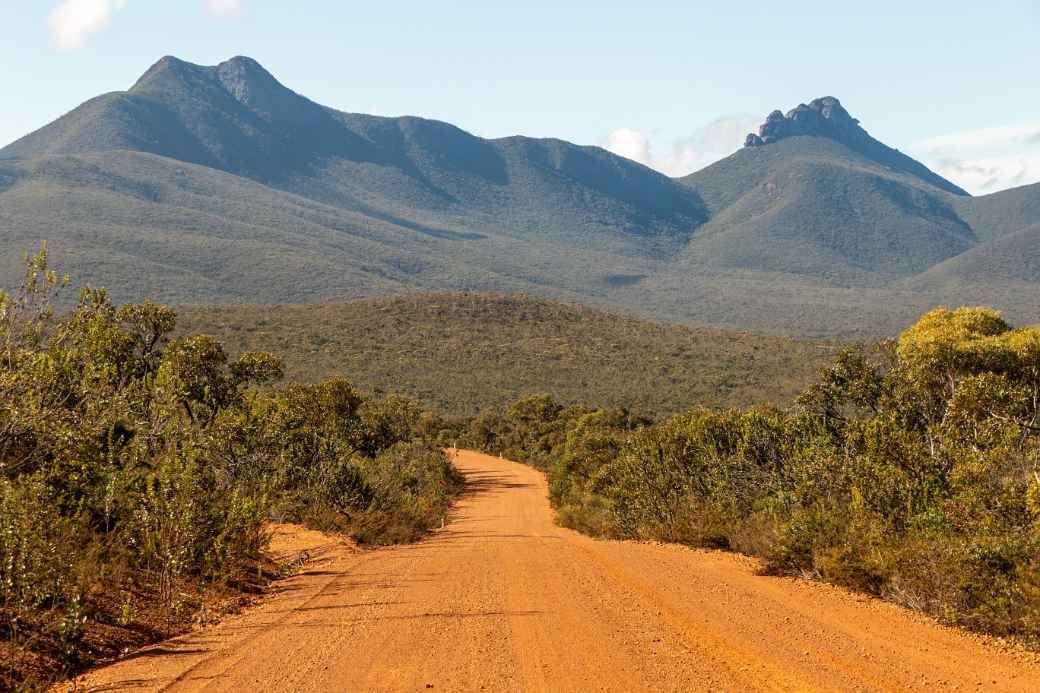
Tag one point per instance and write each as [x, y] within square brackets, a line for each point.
[221, 185]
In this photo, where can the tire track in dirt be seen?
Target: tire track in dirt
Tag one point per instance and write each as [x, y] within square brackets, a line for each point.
[501, 599]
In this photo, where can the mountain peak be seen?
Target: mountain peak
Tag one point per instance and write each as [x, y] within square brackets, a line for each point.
[239, 75]
[827, 118]
[243, 61]
[166, 64]
[248, 81]
[823, 117]
[243, 69]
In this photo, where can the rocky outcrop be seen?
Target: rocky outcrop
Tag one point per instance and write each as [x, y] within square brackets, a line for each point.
[824, 117]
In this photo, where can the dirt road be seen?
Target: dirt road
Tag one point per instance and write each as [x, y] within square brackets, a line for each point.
[501, 599]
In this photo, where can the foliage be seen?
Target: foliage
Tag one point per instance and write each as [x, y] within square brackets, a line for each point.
[138, 471]
[910, 471]
[461, 353]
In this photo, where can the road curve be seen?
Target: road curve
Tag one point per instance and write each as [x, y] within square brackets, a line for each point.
[501, 599]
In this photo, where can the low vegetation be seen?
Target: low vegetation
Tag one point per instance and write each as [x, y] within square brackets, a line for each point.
[141, 464]
[461, 353]
[138, 473]
[910, 471]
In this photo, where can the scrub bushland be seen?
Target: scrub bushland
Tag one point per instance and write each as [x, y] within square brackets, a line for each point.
[909, 471]
[138, 473]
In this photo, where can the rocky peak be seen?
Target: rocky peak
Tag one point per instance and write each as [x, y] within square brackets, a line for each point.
[824, 117]
[254, 87]
[245, 79]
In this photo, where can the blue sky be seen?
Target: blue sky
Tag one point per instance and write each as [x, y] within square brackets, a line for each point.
[673, 84]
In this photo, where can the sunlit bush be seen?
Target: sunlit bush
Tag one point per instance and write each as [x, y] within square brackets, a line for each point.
[910, 471]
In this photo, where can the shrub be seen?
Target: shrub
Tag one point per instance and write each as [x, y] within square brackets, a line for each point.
[910, 471]
[128, 458]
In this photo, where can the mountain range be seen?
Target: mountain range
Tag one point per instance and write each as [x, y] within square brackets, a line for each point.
[219, 184]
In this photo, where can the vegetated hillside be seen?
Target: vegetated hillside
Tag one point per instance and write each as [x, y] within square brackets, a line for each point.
[1001, 213]
[1014, 257]
[236, 117]
[462, 353]
[1005, 269]
[818, 229]
[219, 184]
[825, 200]
[820, 212]
[187, 232]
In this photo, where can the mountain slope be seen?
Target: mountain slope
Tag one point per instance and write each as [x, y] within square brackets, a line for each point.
[814, 195]
[237, 118]
[1001, 213]
[462, 353]
[146, 226]
[826, 117]
[220, 184]
[1013, 257]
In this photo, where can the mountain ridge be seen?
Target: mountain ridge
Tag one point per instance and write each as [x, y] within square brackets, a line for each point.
[229, 186]
[238, 118]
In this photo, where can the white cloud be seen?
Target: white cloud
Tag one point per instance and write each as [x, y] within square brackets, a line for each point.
[716, 140]
[985, 160]
[980, 161]
[631, 144]
[72, 21]
[226, 8]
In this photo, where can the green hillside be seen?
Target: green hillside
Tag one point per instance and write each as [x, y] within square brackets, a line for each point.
[1001, 213]
[462, 353]
[420, 174]
[221, 185]
[811, 206]
[146, 225]
[1014, 257]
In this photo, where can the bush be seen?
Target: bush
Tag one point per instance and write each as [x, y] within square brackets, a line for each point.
[138, 468]
[910, 471]
[413, 487]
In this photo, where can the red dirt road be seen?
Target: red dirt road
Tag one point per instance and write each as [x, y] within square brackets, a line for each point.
[501, 599]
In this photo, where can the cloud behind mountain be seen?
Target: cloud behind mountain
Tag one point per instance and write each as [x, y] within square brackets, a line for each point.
[706, 145]
[985, 160]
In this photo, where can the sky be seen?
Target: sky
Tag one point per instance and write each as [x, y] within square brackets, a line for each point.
[673, 84]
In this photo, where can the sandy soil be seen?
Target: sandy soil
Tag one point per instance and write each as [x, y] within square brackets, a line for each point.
[501, 599]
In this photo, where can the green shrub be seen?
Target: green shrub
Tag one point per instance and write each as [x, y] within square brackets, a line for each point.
[911, 471]
[130, 458]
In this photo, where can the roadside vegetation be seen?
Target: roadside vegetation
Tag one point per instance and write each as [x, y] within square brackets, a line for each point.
[141, 464]
[909, 471]
[139, 472]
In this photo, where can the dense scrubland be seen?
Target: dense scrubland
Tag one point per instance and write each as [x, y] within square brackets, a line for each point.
[462, 353]
[908, 471]
[141, 464]
[138, 474]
